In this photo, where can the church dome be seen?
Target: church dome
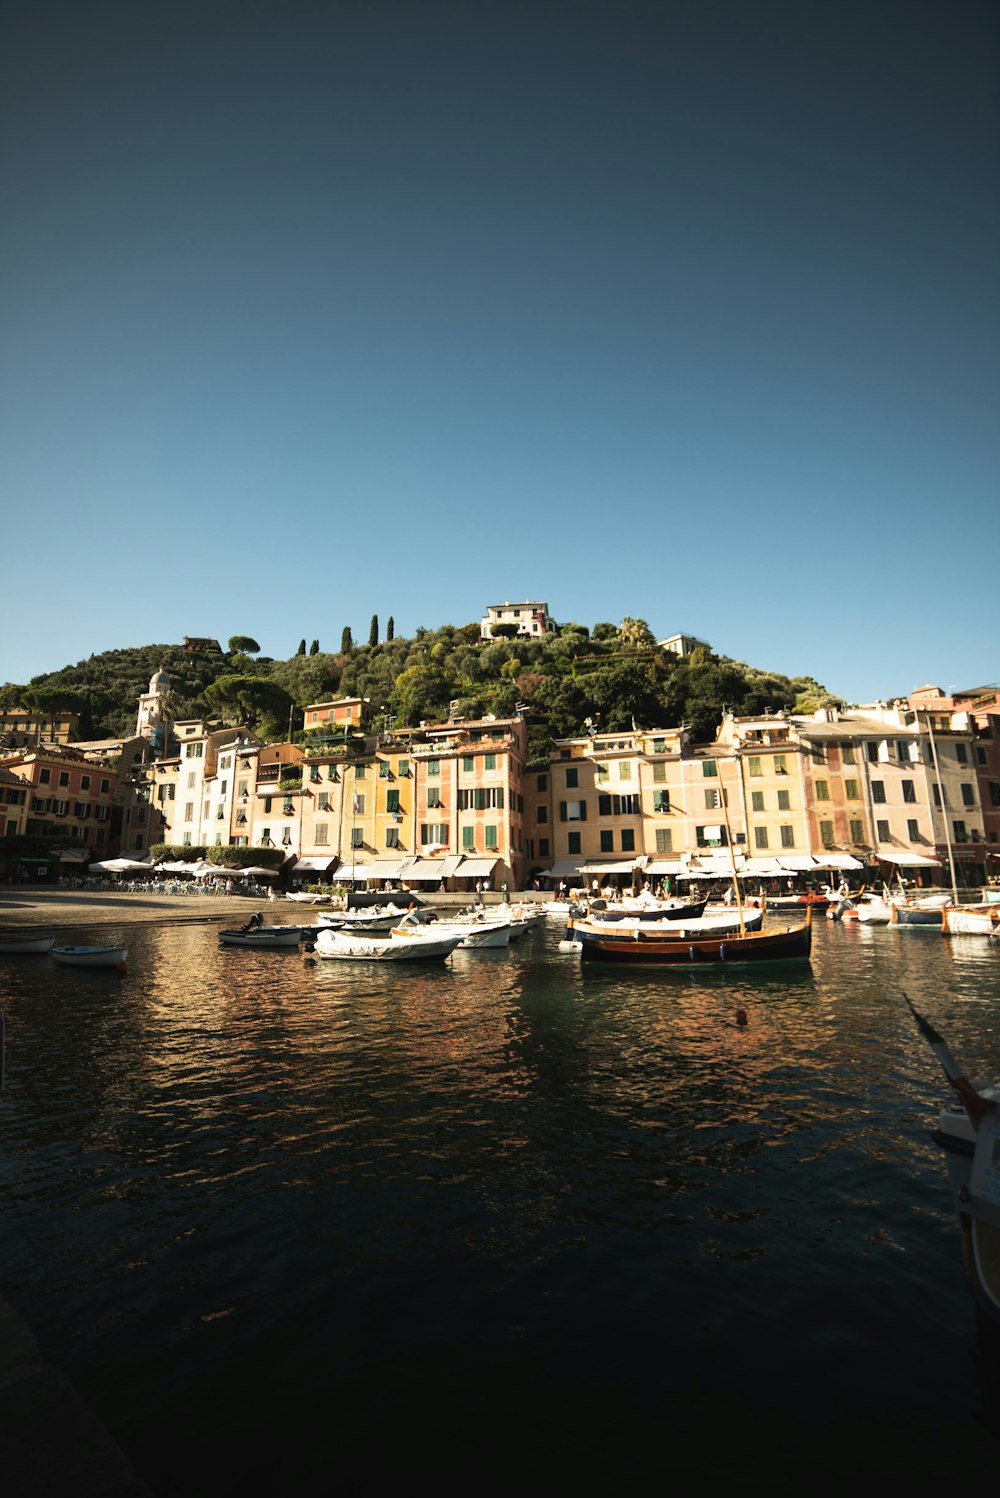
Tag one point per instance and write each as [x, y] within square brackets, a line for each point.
[159, 681]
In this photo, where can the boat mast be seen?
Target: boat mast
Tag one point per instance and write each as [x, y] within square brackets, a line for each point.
[944, 808]
[732, 851]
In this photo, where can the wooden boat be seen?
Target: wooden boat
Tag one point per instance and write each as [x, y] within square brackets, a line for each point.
[682, 951]
[649, 909]
[970, 920]
[702, 926]
[13, 943]
[797, 902]
[262, 936]
[416, 943]
[923, 910]
[116, 957]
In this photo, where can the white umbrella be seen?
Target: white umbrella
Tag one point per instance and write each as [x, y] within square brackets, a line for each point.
[256, 873]
[119, 865]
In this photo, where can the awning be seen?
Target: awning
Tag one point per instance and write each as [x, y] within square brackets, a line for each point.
[710, 868]
[477, 868]
[313, 864]
[608, 868]
[350, 872]
[839, 861]
[798, 863]
[563, 868]
[761, 868]
[425, 868]
[386, 868]
[910, 860]
[74, 855]
[657, 867]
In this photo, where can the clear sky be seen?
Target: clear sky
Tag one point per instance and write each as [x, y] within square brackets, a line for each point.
[685, 311]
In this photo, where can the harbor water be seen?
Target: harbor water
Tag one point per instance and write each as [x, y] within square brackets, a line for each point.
[301, 1227]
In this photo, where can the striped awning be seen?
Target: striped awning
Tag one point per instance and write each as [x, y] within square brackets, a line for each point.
[476, 868]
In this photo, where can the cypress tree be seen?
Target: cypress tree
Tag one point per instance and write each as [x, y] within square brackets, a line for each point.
[346, 643]
[302, 648]
[314, 648]
[373, 631]
[390, 629]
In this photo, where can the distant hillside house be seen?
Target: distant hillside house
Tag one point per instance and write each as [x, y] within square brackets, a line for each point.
[532, 619]
[200, 645]
[340, 714]
[683, 645]
[20, 727]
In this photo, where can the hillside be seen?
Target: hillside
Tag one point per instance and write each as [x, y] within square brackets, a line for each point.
[613, 676]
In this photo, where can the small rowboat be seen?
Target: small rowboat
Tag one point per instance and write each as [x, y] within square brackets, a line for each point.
[92, 956]
[681, 951]
[13, 944]
[262, 936]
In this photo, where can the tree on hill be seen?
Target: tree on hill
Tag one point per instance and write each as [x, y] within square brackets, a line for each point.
[249, 699]
[346, 641]
[243, 645]
[503, 631]
[635, 634]
[390, 628]
[373, 632]
[314, 648]
[302, 648]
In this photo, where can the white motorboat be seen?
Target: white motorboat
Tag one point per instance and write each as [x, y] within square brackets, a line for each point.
[373, 920]
[13, 943]
[115, 957]
[727, 924]
[262, 936]
[476, 928]
[404, 943]
[305, 898]
[874, 912]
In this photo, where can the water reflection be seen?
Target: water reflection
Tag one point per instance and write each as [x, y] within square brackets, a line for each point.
[228, 1161]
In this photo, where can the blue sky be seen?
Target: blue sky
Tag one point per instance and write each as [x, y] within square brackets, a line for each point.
[315, 311]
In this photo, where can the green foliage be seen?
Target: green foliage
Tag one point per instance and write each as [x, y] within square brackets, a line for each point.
[390, 628]
[246, 858]
[604, 632]
[314, 648]
[243, 645]
[302, 648]
[249, 699]
[373, 632]
[503, 631]
[175, 853]
[346, 641]
[635, 634]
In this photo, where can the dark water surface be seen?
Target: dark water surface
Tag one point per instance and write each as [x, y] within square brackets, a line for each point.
[301, 1228]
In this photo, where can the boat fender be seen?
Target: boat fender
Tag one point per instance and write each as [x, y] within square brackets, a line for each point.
[723, 952]
[310, 947]
[693, 953]
[308, 961]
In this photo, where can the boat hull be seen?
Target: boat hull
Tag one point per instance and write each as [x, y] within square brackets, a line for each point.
[957, 921]
[23, 946]
[336, 946]
[731, 950]
[91, 956]
[980, 1227]
[264, 936]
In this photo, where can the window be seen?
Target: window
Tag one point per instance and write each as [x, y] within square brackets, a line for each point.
[607, 842]
[187, 838]
[709, 767]
[361, 771]
[981, 756]
[85, 782]
[404, 767]
[572, 811]
[433, 767]
[384, 770]
[968, 795]
[624, 769]
[882, 832]
[937, 794]
[760, 837]
[857, 831]
[542, 813]
[288, 807]
[392, 837]
[659, 746]
[659, 770]
[788, 837]
[878, 792]
[543, 785]
[661, 800]
[602, 773]
[711, 800]
[756, 800]
[491, 837]
[628, 840]
[392, 802]
[913, 830]
[433, 832]
[618, 806]
[784, 801]
[753, 764]
[961, 754]
[313, 773]
[433, 795]
[189, 811]
[822, 790]
[357, 837]
[847, 754]
[851, 790]
[64, 777]
[543, 847]
[358, 804]
[44, 776]
[468, 763]
[572, 779]
[323, 801]
[664, 840]
[826, 833]
[780, 767]
[994, 793]
[573, 842]
[468, 838]
[910, 791]
[491, 761]
[321, 834]
[961, 835]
